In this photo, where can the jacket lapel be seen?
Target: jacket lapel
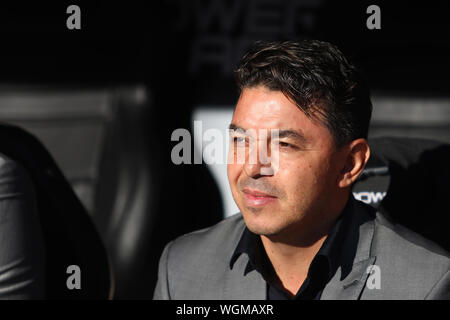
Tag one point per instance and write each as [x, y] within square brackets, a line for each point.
[351, 287]
[349, 281]
[240, 285]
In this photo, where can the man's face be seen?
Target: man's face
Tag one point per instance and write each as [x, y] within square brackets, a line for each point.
[299, 192]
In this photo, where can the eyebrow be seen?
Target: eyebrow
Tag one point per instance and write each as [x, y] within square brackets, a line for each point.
[293, 134]
[232, 126]
[288, 133]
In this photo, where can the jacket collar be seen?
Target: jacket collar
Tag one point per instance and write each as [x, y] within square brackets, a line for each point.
[349, 279]
[330, 251]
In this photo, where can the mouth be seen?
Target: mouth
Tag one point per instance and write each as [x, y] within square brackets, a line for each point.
[255, 198]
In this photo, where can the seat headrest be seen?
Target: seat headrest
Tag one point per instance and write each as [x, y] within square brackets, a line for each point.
[408, 179]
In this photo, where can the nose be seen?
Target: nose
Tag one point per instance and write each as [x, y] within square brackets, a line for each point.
[252, 170]
[257, 161]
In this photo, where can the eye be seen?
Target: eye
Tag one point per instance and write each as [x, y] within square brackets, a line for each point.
[284, 144]
[239, 141]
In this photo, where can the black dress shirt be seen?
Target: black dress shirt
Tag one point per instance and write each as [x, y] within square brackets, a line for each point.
[322, 268]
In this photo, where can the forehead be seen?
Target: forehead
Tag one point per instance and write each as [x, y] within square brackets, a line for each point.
[261, 108]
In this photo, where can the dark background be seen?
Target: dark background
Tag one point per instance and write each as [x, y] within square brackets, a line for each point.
[153, 41]
[105, 99]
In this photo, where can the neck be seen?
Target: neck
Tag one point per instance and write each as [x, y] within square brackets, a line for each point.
[291, 253]
[291, 264]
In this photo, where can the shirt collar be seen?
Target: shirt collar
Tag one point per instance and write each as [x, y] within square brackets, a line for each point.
[329, 252]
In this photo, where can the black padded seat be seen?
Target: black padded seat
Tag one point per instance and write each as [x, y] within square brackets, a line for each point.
[409, 180]
[69, 235]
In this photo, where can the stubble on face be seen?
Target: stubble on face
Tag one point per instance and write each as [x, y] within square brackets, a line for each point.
[304, 170]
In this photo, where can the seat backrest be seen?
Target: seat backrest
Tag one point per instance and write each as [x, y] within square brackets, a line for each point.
[408, 179]
[69, 235]
[111, 145]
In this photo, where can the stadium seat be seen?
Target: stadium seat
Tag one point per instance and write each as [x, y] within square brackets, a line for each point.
[113, 146]
[408, 180]
[70, 237]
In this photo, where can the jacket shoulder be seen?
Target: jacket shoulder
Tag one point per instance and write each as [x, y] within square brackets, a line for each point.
[218, 240]
[409, 263]
[197, 262]
[398, 238]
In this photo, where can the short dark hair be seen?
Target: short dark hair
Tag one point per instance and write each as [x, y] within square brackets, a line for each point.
[317, 77]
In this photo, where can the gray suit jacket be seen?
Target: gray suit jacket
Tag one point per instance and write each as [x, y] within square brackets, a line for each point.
[197, 265]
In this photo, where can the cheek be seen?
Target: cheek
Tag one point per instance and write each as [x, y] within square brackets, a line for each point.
[293, 179]
[299, 178]
[233, 171]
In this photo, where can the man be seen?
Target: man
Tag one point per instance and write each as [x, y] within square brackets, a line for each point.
[300, 234]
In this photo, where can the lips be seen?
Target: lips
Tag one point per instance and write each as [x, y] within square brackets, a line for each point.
[257, 198]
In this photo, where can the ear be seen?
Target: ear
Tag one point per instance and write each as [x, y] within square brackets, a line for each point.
[357, 155]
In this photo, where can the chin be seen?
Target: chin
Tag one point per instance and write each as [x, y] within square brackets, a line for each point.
[260, 224]
[267, 231]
